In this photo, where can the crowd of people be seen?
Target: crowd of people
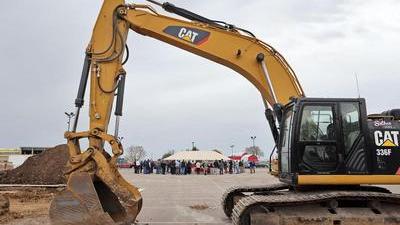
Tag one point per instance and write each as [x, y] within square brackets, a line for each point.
[182, 167]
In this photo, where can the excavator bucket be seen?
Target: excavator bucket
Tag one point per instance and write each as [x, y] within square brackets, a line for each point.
[90, 201]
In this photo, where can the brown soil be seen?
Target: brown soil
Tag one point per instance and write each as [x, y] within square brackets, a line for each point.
[199, 207]
[44, 168]
[26, 204]
[4, 205]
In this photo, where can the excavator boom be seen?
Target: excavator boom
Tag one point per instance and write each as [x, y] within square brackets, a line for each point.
[96, 193]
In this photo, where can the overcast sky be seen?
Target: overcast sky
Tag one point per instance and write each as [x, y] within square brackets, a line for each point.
[174, 97]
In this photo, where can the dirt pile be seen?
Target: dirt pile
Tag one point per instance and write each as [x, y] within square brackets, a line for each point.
[45, 168]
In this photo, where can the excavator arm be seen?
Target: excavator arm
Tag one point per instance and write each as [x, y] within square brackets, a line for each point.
[96, 191]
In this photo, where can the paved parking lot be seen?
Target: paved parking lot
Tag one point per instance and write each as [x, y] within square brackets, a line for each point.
[190, 199]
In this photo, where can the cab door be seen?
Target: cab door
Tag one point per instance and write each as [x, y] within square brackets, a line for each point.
[317, 147]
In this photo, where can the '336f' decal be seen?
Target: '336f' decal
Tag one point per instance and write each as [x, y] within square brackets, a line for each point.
[192, 35]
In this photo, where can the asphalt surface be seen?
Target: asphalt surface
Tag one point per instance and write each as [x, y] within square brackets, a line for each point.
[190, 199]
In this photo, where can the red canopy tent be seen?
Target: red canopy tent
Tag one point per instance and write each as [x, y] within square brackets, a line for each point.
[244, 156]
[253, 158]
[237, 157]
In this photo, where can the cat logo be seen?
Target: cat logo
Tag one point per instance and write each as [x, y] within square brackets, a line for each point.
[386, 138]
[187, 35]
[192, 35]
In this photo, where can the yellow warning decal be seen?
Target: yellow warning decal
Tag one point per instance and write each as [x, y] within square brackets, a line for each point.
[388, 143]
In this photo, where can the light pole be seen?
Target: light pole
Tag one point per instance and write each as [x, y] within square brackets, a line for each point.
[253, 138]
[232, 146]
[69, 115]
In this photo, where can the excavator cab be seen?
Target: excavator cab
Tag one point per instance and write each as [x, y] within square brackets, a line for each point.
[330, 141]
[329, 149]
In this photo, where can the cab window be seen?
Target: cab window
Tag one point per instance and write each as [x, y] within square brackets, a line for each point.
[317, 143]
[317, 124]
[285, 141]
[350, 112]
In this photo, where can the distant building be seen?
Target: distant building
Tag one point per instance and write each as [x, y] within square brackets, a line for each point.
[17, 156]
[6, 152]
[10, 151]
[32, 150]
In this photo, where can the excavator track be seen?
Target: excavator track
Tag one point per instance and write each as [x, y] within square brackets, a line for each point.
[318, 207]
[229, 197]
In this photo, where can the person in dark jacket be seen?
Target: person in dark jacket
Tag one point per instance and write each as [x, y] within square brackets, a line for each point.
[226, 166]
[163, 165]
[173, 168]
[141, 168]
[183, 168]
[215, 167]
[189, 168]
[221, 167]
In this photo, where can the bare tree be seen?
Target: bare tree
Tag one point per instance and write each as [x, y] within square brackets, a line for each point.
[168, 154]
[218, 151]
[135, 153]
[254, 151]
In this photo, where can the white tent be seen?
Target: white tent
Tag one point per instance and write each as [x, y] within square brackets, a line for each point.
[197, 155]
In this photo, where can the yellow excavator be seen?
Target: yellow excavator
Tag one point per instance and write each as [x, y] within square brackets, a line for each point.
[327, 148]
